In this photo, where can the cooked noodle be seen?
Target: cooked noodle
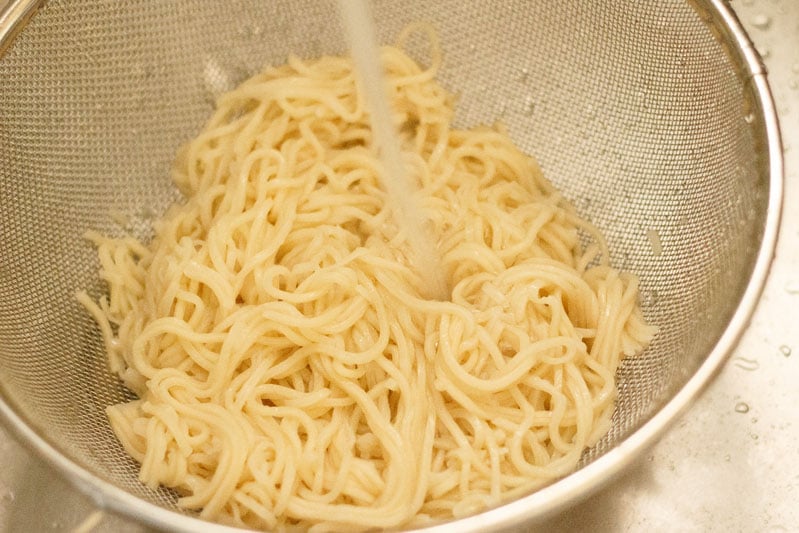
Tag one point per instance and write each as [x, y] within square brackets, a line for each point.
[288, 368]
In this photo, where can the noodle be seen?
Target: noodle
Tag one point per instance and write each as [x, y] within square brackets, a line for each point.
[288, 368]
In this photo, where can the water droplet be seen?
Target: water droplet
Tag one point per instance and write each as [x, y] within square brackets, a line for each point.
[754, 437]
[654, 242]
[649, 298]
[529, 106]
[741, 407]
[749, 118]
[761, 22]
[792, 287]
[220, 77]
[765, 52]
[525, 75]
[727, 458]
[785, 350]
[746, 364]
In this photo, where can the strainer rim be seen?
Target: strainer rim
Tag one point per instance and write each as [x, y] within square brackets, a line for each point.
[563, 492]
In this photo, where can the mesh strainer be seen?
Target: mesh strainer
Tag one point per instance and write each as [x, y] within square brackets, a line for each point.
[653, 117]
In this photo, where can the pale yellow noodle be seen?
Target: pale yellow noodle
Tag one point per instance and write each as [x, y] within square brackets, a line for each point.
[288, 368]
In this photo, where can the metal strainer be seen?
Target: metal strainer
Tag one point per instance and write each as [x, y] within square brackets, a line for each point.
[653, 117]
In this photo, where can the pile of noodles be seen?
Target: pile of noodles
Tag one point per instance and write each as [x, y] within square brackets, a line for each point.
[288, 368]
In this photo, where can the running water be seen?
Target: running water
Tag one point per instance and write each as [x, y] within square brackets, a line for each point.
[396, 181]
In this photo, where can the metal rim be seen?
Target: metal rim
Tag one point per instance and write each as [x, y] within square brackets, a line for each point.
[13, 18]
[560, 494]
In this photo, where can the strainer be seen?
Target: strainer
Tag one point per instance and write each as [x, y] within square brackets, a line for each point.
[653, 117]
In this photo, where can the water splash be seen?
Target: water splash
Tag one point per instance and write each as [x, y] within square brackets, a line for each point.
[360, 33]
